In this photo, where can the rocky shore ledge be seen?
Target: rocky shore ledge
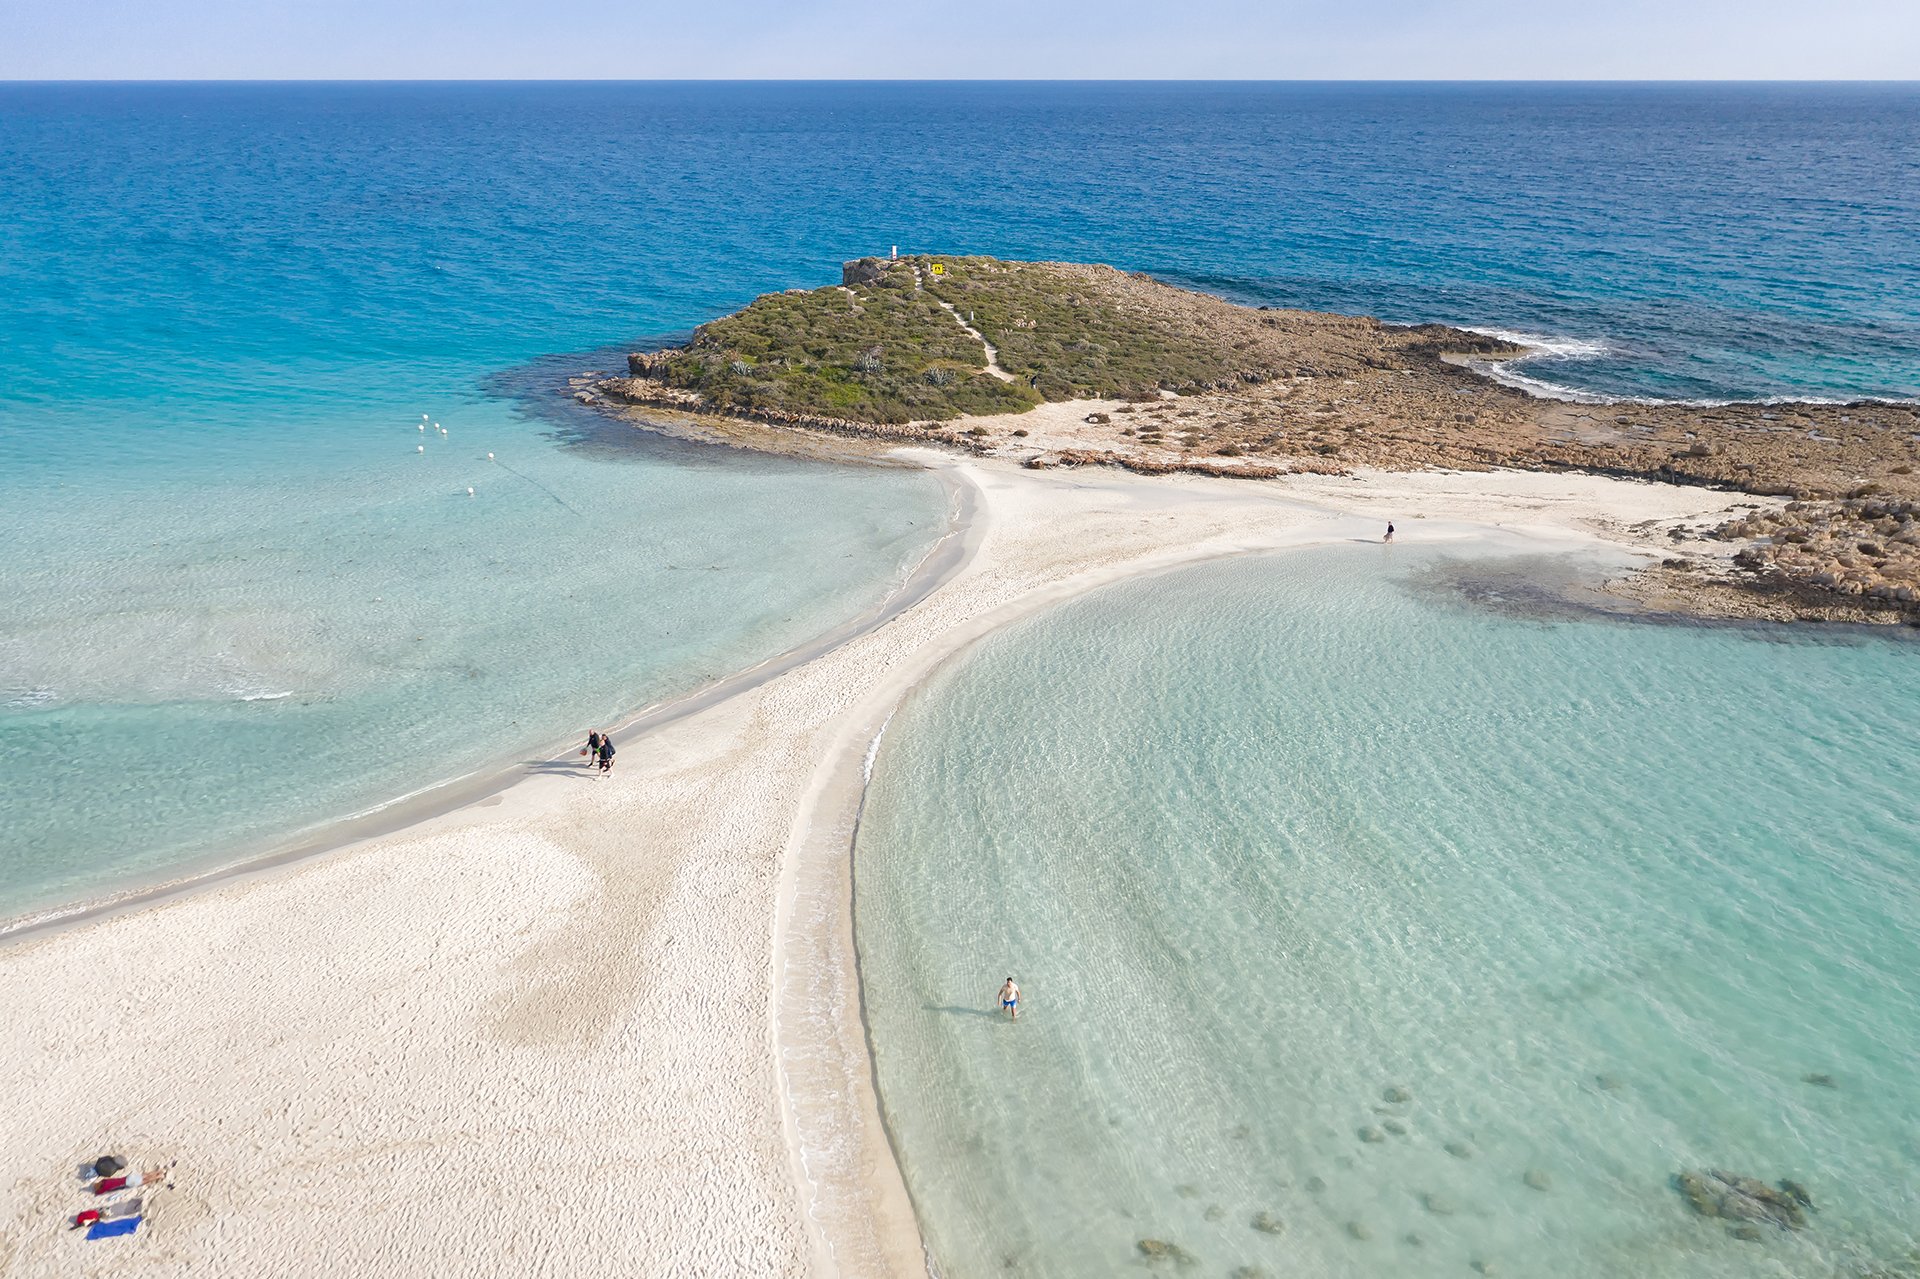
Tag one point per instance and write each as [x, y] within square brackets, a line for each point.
[1061, 364]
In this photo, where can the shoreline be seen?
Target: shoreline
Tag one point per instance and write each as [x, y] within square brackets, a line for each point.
[539, 928]
[439, 799]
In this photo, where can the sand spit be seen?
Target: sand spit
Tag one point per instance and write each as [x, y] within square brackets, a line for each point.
[587, 1025]
[1102, 367]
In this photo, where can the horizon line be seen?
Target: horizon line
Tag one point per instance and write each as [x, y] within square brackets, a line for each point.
[984, 80]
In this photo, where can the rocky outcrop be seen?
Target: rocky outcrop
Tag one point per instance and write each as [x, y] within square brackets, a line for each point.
[863, 271]
[1726, 1195]
[1866, 549]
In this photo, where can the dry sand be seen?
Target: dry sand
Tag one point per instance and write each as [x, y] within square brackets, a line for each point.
[590, 1026]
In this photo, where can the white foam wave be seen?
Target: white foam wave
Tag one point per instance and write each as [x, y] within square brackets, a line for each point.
[873, 751]
[1544, 346]
[264, 697]
[1551, 348]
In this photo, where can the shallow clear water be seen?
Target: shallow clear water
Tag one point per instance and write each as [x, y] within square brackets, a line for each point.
[1267, 839]
[227, 305]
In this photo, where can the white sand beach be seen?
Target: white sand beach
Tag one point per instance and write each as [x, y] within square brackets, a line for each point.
[587, 1025]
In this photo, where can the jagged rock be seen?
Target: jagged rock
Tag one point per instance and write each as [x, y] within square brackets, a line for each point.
[1459, 1149]
[1268, 1224]
[1538, 1179]
[1397, 1095]
[1723, 1194]
[862, 271]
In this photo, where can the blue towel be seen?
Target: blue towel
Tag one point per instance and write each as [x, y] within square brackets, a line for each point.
[108, 1229]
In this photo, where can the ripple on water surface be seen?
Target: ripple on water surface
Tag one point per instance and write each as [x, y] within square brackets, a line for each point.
[1364, 933]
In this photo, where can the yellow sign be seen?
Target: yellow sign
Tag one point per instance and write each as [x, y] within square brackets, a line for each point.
[939, 268]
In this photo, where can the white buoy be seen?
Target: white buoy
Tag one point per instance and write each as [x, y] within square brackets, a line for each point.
[419, 448]
[423, 426]
[469, 492]
[489, 457]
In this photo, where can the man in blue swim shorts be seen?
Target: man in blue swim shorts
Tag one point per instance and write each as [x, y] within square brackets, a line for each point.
[1010, 999]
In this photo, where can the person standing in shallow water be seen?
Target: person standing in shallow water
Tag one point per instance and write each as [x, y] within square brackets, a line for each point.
[1010, 999]
[1389, 536]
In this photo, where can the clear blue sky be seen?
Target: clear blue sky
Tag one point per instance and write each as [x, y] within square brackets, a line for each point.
[1023, 39]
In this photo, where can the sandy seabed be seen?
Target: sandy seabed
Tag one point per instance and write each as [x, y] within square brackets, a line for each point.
[612, 1025]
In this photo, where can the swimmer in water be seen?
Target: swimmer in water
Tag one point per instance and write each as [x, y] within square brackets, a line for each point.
[1010, 999]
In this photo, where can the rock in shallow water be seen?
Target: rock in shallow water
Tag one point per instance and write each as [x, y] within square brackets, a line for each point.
[1395, 1127]
[1358, 1229]
[1459, 1150]
[1162, 1250]
[1371, 1135]
[1538, 1179]
[1215, 1212]
[1267, 1223]
[1315, 1185]
[1397, 1095]
[1723, 1194]
[1438, 1205]
[1819, 1080]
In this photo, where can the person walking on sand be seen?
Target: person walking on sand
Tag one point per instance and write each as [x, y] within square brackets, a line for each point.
[1010, 999]
[593, 748]
[606, 752]
[1389, 536]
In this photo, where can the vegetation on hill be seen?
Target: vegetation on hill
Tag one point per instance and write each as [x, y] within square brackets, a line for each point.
[880, 351]
[881, 348]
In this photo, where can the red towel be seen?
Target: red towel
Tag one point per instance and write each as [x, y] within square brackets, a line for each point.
[107, 1185]
[86, 1218]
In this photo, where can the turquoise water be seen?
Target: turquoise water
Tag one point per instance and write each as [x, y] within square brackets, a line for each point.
[1268, 840]
[236, 602]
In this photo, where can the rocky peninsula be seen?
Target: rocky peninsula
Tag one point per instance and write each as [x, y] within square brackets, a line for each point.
[1064, 364]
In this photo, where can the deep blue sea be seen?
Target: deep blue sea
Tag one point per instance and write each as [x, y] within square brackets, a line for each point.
[244, 592]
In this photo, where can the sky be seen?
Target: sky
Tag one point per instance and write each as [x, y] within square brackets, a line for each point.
[985, 39]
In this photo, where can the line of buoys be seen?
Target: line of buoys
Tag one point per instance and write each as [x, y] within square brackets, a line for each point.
[419, 448]
[469, 490]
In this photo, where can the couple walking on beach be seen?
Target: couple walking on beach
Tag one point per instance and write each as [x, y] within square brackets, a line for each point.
[599, 751]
